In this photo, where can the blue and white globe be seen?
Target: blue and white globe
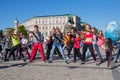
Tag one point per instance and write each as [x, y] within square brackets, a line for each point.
[112, 31]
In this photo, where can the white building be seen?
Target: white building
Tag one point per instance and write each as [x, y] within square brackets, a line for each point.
[46, 23]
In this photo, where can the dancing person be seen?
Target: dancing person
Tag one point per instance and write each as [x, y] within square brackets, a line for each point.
[57, 37]
[77, 42]
[37, 43]
[101, 43]
[88, 43]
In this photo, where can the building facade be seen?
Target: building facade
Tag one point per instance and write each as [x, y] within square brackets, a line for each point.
[46, 23]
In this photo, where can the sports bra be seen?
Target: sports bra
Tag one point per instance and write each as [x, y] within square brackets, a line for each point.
[88, 35]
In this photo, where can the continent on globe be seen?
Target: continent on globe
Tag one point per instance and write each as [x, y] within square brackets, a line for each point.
[112, 31]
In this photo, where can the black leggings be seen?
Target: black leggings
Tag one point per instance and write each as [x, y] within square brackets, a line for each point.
[49, 47]
[77, 53]
[70, 46]
[90, 46]
[18, 48]
[6, 53]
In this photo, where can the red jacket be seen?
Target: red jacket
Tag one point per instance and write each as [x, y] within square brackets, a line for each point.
[77, 42]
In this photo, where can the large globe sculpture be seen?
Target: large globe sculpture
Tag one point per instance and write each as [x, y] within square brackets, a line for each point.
[112, 31]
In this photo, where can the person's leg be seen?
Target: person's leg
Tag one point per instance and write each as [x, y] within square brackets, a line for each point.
[58, 52]
[19, 49]
[84, 51]
[64, 47]
[6, 53]
[40, 47]
[52, 51]
[34, 51]
[79, 54]
[47, 52]
[98, 53]
[117, 56]
[28, 53]
[106, 51]
[92, 51]
[75, 52]
[49, 47]
[12, 52]
[62, 53]
[70, 49]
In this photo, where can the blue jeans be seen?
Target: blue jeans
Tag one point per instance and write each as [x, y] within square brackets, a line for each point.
[117, 55]
[95, 46]
[59, 46]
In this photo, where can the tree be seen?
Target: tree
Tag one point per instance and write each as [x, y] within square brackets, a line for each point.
[22, 29]
[1, 33]
[12, 30]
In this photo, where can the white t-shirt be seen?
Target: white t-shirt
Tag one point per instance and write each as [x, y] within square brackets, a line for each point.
[24, 41]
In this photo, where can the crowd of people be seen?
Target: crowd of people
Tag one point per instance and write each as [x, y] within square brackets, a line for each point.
[14, 44]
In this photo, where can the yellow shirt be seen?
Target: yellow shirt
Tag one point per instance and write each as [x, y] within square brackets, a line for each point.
[66, 40]
[15, 40]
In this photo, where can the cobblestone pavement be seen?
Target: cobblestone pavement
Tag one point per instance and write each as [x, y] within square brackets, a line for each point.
[58, 70]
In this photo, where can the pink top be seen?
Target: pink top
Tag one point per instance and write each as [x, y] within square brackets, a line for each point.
[100, 41]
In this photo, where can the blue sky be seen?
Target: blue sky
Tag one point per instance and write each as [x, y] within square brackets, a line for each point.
[95, 12]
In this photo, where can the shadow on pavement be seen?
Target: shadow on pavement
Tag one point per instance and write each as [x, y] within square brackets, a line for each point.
[18, 64]
[70, 67]
[3, 67]
[14, 65]
[115, 66]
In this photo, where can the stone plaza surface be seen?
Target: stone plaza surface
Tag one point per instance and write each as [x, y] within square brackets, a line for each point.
[58, 70]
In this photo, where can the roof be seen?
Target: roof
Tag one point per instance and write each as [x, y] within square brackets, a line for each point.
[54, 15]
[48, 16]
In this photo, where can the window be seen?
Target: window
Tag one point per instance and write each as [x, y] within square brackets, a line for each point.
[53, 22]
[64, 21]
[46, 33]
[39, 28]
[60, 20]
[46, 27]
[36, 22]
[43, 33]
[43, 27]
[42, 22]
[49, 20]
[56, 21]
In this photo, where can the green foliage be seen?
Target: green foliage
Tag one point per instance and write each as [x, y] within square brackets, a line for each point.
[84, 27]
[12, 30]
[22, 29]
[1, 31]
